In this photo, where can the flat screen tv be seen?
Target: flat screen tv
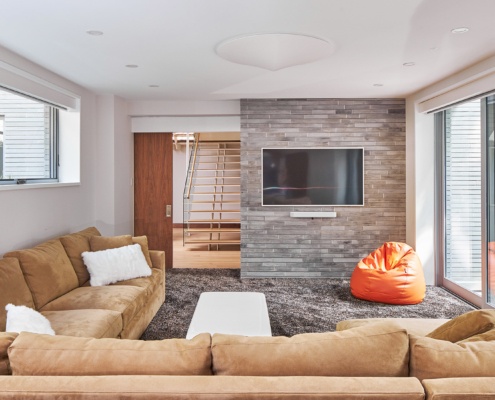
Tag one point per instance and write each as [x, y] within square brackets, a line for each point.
[312, 176]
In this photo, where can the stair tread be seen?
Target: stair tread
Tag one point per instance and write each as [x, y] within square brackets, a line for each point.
[215, 211]
[215, 202]
[217, 161]
[217, 177]
[206, 241]
[212, 230]
[218, 169]
[216, 193]
[201, 151]
[217, 184]
[214, 221]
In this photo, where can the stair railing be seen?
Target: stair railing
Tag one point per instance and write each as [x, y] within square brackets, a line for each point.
[192, 166]
[188, 185]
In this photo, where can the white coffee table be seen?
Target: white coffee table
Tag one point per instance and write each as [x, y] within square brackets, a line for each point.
[235, 313]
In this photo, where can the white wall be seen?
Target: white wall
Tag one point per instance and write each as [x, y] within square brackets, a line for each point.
[113, 181]
[420, 189]
[30, 215]
[124, 169]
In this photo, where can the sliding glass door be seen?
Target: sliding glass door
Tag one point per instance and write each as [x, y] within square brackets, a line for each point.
[490, 195]
[467, 199]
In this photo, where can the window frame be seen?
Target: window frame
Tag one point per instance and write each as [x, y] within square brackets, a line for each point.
[53, 144]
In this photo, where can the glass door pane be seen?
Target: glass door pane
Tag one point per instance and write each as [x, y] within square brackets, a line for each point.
[463, 228]
[490, 190]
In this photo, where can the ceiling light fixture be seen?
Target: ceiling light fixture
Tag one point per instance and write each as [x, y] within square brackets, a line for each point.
[94, 33]
[462, 29]
[275, 51]
[378, 84]
[153, 86]
[409, 64]
[131, 66]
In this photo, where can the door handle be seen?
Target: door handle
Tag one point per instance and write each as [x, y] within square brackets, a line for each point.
[168, 211]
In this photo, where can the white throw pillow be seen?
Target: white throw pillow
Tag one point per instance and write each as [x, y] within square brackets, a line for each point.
[25, 319]
[113, 265]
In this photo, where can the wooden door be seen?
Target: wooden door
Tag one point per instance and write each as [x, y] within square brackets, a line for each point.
[153, 191]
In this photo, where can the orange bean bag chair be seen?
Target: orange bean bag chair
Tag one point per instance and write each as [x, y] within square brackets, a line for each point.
[392, 274]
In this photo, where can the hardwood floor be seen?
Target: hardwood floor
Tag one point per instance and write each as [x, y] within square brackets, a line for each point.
[198, 256]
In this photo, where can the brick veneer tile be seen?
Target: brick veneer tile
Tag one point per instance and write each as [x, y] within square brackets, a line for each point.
[275, 245]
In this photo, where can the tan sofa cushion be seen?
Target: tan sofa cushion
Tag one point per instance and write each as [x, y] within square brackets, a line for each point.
[432, 358]
[167, 387]
[6, 339]
[414, 326]
[13, 288]
[148, 283]
[466, 325]
[98, 243]
[377, 350]
[127, 300]
[75, 244]
[86, 323]
[47, 271]
[459, 388]
[63, 355]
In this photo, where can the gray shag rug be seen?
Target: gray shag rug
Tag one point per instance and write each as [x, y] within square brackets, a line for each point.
[294, 305]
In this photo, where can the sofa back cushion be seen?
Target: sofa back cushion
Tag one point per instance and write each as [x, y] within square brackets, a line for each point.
[6, 339]
[47, 271]
[464, 326]
[13, 288]
[75, 244]
[32, 354]
[99, 243]
[432, 358]
[373, 351]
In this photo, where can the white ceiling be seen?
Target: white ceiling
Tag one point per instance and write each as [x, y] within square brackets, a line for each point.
[173, 42]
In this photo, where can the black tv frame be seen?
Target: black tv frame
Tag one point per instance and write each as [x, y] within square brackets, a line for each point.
[293, 150]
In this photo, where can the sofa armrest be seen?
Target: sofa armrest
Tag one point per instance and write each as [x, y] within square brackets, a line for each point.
[6, 339]
[415, 326]
[158, 259]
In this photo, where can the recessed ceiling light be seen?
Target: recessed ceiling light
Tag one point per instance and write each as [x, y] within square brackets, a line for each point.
[409, 64]
[94, 33]
[131, 66]
[154, 86]
[378, 84]
[462, 29]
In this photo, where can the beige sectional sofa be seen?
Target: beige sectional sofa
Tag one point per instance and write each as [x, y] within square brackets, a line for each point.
[92, 356]
[52, 279]
[376, 360]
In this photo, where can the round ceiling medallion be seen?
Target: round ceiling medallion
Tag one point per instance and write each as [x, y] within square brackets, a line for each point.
[275, 51]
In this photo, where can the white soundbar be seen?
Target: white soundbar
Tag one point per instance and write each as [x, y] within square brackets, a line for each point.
[313, 214]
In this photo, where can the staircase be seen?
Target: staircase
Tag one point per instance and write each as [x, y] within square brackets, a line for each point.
[212, 194]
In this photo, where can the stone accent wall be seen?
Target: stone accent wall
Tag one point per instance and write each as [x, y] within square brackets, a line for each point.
[275, 245]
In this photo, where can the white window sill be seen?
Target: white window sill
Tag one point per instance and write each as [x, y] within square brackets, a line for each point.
[38, 185]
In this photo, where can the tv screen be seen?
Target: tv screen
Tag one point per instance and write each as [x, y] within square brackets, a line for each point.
[312, 177]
